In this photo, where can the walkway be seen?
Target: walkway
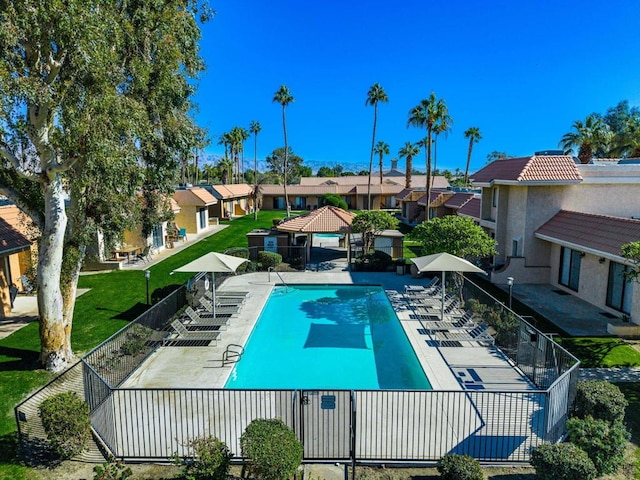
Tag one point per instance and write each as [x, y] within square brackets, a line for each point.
[622, 374]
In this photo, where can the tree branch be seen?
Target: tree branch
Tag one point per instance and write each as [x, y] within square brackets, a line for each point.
[15, 196]
[55, 64]
[15, 164]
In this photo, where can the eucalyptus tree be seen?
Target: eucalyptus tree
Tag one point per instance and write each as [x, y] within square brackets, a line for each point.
[426, 114]
[255, 128]
[94, 106]
[375, 95]
[381, 149]
[408, 151]
[283, 97]
[474, 136]
[587, 137]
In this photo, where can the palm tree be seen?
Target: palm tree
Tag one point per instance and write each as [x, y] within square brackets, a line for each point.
[381, 149]
[587, 137]
[474, 136]
[428, 113]
[255, 128]
[443, 126]
[225, 165]
[375, 94]
[283, 97]
[243, 136]
[409, 151]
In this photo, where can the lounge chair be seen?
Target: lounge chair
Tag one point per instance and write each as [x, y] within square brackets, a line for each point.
[421, 288]
[208, 307]
[232, 293]
[451, 324]
[200, 335]
[197, 320]
[479, 333]
[225, 299]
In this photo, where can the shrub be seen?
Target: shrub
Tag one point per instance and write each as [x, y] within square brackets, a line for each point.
[65, 418]
[604, 443]
[211, 460]
[272, 450]
[459, 467]
[112, 470]
[240, 252]
[599, 399]
[269, 259]
[563, 461]
[376, 261]
[334, 200]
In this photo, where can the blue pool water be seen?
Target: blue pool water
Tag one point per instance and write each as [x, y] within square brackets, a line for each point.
[328, 337]
[328, 235]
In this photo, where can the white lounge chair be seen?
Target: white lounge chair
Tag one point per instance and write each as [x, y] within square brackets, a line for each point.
[201, 335]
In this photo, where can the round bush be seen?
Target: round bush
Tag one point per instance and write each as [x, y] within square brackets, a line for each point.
[211, 460]
[271, 448]
[459, 467]
[604, 443]
[240, 252]
[269, 259]
[334, 200]
[599, 399]
[563, 461]
[65, 418]
[376, 261]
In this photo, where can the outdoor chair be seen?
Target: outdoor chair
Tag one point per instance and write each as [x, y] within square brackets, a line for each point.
[421, 288]
[451, 324]
[232, 293]
[208, 307]
[225, 300]
[201, 335]
[145, 255]
[182, 234]
[203, 321]
[479, 333]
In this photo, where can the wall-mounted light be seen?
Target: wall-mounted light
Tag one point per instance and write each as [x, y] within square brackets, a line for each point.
[601, 260]
[582, 254]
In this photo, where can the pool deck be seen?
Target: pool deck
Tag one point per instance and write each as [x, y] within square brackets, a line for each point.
[448, 368]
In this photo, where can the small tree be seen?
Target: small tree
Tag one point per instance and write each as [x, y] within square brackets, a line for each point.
[211, 459]
[370, 224]
[65, 418]
[562, 461]
[599, 399]
[272, 450]
[455, 235]
[631, 251]
[459, 467]
[604, 443]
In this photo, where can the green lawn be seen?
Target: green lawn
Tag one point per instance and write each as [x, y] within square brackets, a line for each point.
[602, 352]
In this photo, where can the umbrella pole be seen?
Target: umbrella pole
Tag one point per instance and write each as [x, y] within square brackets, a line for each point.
[443, 289]
[213, 292]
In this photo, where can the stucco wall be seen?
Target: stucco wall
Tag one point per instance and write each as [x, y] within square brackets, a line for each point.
[187, 218]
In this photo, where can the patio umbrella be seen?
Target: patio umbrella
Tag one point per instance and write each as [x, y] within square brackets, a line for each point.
[213, 262]
[444, 262]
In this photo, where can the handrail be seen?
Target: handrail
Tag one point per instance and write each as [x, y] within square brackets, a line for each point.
[232, 356]
[272, 269]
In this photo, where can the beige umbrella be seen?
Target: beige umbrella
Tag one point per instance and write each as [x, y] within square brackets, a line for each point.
[444, 262]
[213, 262]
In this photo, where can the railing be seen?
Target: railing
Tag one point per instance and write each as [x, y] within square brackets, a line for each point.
[273, 270]
[232, 354]
[294, 255]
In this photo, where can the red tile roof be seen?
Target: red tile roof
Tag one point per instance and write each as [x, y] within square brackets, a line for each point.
[437, 181]
[306, 189]
[470, 209]
[11, 240]
[458, 200]
[326, 219]
[600, 233]
[196, 196]
[553, 169]
[438, 197]
[231, 191]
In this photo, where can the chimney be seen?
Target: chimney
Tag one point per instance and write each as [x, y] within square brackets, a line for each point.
[394, 164]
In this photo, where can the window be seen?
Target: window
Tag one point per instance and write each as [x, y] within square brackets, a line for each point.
[570, 268]
[158, 240]
[516, 250]
[494, 200]
[202, 213]
[619, 288]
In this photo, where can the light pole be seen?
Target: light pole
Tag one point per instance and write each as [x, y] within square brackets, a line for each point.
[510, 283]
[147, 276]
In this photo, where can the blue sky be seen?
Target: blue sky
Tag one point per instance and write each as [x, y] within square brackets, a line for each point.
[522, 71]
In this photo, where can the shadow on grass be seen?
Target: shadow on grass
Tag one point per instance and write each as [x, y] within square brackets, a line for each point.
[31, 452]
[133, 313]
[592, 351]
[26, 360]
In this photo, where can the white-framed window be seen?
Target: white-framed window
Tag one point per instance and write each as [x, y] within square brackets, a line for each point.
[619, 288]
[570, 261]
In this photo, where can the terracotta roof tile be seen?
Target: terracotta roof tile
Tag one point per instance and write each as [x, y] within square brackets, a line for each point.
[196, 196]
[438, 181]
[19, 221]
[306, 189]
[326, 219]
[458, 200]
[231, 191]
[601, 233]
[470, 209]
[11, 240]
[539, 169]
[438, 197]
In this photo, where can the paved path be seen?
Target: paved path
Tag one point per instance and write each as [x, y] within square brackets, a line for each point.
[623, 374]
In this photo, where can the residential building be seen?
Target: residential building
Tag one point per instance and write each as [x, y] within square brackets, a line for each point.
[197, 206]
[234, 200]
[561, 223]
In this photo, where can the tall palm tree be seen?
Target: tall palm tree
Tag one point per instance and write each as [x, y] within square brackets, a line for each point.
[587, 137]
[255, 128]
[375, 95]
[381, 149]
[409, 151]
[428, 113]
[283, 97]
[225, 165]
[443, 126]
[243, 136]
[474, 136]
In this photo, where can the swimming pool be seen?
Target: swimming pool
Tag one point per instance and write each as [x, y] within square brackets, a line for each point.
[328, 337]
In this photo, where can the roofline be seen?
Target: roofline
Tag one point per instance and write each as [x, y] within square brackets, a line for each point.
[582, 248]
[536, 183]
[15, 249]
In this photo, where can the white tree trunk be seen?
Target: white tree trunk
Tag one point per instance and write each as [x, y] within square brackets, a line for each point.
[55, 349]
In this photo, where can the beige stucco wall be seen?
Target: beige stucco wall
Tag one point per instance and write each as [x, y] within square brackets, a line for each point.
[188, 218]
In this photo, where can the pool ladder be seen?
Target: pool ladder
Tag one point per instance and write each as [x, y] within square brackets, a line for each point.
[272, 269]
[232, 354]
